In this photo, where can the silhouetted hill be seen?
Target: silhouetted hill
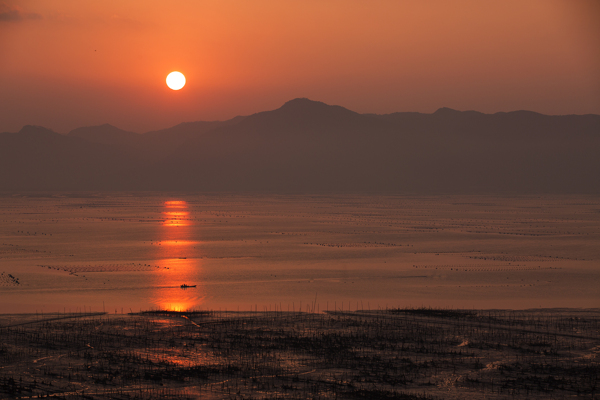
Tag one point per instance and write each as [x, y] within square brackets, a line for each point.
[291, 149]
[107, 134]
[37, 158]
[187, 130]
[161, 143]
[309, 146]
[151, 145]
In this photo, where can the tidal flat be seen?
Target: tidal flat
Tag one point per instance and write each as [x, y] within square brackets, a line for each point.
[412, 353]
[126, 252]
[264, 296]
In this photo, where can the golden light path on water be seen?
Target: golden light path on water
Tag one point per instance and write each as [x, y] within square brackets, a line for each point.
[178, 260]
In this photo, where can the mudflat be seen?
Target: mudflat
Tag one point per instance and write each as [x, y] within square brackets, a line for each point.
[411, 353]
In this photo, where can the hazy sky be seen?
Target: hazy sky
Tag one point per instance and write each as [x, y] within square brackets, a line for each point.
[71, 63]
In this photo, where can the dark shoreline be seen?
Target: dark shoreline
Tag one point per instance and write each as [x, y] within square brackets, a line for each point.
[399, 353]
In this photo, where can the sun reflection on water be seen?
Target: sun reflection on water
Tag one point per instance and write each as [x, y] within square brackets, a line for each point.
[176, 218]
[177, 257]
[176, 203]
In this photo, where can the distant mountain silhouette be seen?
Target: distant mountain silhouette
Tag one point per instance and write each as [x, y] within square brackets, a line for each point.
[37, 158]
[309, 146]
[150, 145]
[107, 134]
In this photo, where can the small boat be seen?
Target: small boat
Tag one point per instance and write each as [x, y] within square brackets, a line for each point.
[184, 286]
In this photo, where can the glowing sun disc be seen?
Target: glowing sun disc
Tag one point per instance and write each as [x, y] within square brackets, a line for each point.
[175, 80]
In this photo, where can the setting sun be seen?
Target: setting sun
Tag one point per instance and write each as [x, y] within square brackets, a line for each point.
[175, 80]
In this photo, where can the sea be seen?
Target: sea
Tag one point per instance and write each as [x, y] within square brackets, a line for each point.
[130, 252]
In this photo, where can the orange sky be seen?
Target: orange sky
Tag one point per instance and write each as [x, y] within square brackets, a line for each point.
[71, 63]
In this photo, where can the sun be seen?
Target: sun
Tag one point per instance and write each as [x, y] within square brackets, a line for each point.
[175, 80]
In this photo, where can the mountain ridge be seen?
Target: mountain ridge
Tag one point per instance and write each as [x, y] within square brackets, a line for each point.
[310, 146]
[291, 104]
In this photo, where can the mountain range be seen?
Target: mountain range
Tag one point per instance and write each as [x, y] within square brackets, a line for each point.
[307, 146]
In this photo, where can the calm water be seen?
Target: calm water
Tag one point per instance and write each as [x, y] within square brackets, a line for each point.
[130, 252]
